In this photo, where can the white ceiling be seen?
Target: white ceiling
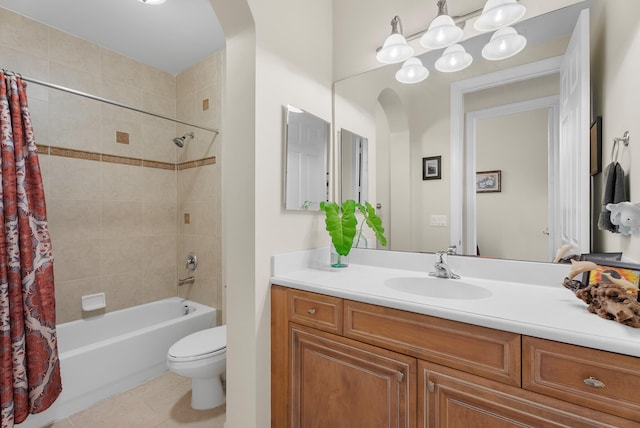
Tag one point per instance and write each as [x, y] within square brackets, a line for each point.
[171, 37]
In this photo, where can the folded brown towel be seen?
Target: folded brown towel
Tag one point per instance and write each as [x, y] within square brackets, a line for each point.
[614, 192]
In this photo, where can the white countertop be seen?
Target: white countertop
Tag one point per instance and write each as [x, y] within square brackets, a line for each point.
[546, 310]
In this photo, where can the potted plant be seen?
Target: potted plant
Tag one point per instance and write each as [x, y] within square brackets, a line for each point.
[341, 223]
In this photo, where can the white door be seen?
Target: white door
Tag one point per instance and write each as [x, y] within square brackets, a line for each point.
[573, 162]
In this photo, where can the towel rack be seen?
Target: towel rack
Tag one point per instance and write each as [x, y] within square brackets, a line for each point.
[615, 149]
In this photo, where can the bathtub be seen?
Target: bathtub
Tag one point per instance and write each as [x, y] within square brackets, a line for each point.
[103, 355]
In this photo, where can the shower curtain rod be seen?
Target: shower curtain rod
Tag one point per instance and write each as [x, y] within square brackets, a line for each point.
[105, 100]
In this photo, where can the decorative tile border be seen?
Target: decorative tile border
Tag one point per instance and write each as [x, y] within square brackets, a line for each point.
[124, 160]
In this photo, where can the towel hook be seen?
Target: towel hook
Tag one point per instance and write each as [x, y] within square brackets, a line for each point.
[615, 150]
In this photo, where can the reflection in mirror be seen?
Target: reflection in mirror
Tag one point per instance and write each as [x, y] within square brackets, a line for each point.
[354, 167]
[307, 144]
[412, 121]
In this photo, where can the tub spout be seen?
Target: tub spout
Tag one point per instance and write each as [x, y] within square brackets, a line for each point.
[188, 280]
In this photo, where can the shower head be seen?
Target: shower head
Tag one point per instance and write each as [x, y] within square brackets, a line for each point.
[180, 141]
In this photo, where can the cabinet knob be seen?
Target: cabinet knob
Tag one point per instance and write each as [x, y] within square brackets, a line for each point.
[594, 383]
[431, 386]
[400, 376]
[311, 311]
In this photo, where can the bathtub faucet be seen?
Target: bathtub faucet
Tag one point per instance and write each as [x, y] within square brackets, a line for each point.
[188, 280]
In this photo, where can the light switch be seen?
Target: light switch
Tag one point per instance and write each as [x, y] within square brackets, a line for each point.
[439, 220]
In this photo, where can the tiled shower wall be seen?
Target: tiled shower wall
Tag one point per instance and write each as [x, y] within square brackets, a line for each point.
[117, 211]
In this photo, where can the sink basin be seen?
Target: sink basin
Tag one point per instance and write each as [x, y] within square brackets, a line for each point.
[439, 288]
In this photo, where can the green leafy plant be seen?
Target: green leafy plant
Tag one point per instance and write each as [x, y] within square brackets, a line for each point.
[341, 223]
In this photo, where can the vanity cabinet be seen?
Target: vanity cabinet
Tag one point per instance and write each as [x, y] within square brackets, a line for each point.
[342, 363]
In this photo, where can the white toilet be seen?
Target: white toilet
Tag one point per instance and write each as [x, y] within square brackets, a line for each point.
[202, 356]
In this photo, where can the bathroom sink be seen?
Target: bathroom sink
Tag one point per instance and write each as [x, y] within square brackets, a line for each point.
[439, 288]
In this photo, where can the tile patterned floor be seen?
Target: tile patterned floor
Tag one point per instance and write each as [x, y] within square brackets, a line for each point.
[163, 402]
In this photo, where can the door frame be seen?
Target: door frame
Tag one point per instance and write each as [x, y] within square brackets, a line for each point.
[457, 131]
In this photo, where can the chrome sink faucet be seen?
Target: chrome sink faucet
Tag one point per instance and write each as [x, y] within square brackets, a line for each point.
[442, 269]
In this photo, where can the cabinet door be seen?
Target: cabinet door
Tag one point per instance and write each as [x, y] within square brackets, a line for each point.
[340, 383]
[454, 399]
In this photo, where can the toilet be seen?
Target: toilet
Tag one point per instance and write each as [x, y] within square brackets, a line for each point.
[202, 356]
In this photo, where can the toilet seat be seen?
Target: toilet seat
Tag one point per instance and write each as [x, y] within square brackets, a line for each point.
[200, 345]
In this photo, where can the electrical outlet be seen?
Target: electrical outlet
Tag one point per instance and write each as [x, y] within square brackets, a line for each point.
[439, 220]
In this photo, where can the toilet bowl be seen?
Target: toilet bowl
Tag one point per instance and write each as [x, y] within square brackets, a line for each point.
[202, 356]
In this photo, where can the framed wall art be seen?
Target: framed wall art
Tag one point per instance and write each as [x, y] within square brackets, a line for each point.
[489, 181]
[431, 168]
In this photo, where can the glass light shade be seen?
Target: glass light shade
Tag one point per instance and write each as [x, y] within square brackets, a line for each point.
[152, 1]
[395, 49]
[504, 43]
[454, 58]
[412, 71]
[442, 32]
[499, 14]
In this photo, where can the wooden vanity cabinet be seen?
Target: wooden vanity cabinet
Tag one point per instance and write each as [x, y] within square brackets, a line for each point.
[339, 363]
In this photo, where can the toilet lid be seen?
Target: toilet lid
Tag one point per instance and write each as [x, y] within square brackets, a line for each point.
[200, 343]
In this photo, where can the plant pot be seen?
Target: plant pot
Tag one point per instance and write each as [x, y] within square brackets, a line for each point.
[338, 261]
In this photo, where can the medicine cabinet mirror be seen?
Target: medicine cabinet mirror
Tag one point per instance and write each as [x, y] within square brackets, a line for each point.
[306, 174]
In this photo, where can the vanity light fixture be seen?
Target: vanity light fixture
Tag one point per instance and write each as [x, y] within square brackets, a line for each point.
[442, 31]
[395, 48]
[504, 44]
[152, 2]
[412, 71]
[499, 14]
[454, 58]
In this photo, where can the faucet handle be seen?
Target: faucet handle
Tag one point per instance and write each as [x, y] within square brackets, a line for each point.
[440, 256]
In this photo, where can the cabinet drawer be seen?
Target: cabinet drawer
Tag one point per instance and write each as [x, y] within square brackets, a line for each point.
[597, 379]
[315, 310]
[485, 352]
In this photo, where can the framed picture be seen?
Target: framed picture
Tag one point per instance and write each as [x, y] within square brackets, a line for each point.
[431, 168]
[595, 165]
[488, 181]
[614, 269]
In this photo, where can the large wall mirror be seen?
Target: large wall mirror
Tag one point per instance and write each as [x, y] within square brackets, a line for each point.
[307, 145]
[513, 128]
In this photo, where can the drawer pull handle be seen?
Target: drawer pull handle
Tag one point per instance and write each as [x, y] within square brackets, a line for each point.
[431, 386]
[312, 311]
[594, 383]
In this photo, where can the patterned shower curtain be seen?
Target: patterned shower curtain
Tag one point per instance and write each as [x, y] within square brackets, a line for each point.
[29, 366]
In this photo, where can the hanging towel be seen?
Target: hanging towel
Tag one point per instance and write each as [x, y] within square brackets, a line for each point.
[614, 193]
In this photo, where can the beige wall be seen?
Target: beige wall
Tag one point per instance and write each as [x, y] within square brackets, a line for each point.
[615, 50]
[113, 222]
[278, 53]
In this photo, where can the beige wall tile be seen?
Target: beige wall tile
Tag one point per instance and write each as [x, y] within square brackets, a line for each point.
[120, 69]
[120, 182]
[80, 80]
[198, 184]
[159, 185]
[121, 290]
[157, 139]
[76, 259]
[121, 218]
[73, 52]
[116, 119]
[73, 219]
[24, 63]
[158, 82]
[159, 104]
[186, 81]
[159, 218]
[121, 255]
[23, 34]
[74, 122]
[73, 179]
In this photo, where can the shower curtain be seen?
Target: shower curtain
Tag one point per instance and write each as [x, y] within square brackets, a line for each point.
[29, 366]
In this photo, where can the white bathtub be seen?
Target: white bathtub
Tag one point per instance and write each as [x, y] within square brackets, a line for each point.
[107, 354]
